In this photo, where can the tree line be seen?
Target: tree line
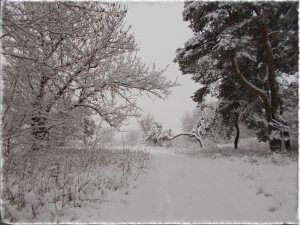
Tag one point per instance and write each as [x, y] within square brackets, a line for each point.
[65, 62]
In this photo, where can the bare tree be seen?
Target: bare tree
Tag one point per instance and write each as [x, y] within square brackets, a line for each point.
[145, 123]
[63, 56]
[201, 129]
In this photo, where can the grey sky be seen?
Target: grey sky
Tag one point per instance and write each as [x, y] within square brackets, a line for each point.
[160, 30]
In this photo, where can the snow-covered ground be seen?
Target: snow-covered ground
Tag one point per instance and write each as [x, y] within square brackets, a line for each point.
[180, 189]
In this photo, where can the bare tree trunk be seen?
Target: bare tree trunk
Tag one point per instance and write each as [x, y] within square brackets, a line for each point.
[237, 136]
[6, 145]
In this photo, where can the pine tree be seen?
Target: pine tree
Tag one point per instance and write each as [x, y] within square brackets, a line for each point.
[256, 42]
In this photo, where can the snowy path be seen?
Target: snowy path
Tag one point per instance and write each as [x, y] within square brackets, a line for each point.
[181, 189]
[194, 193]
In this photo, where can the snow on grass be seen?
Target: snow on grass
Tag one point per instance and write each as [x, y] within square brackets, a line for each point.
[182, 189]
[274, 185]
[272, 180]
[64, 184]
[150, 185]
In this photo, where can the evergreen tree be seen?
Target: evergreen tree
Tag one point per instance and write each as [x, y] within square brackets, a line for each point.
[253, 42]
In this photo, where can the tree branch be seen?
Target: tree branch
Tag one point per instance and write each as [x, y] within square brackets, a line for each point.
[189, 134]
[261, 93]
[99, 112]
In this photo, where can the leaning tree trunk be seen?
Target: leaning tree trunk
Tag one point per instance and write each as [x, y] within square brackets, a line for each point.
[263, 94]
[190, 135]
[271, 112]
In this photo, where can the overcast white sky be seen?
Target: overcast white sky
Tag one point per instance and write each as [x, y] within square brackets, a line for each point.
[160, 30]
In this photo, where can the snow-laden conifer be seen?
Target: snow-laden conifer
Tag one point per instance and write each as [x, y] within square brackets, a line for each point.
[252, 42]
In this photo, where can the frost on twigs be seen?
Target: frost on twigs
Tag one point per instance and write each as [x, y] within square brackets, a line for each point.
[64, 60]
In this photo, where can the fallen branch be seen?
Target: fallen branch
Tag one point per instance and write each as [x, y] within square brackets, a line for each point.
[189, 134]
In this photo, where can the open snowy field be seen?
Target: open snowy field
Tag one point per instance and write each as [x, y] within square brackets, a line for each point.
[181, 189]
[172, 188]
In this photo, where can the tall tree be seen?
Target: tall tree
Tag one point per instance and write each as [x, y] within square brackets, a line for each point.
[255, 42]
[62, 56]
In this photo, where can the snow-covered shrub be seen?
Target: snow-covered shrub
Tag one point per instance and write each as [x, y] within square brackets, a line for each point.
[164, 137]
[203, 126]
[157, 136]
[45, 186]
[154, 133]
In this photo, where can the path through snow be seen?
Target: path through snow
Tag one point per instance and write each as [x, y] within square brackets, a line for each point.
[180, 189]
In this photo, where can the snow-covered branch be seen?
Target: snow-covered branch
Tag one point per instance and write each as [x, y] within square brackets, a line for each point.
[198, 137]
[65, 55]
[262, 93]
